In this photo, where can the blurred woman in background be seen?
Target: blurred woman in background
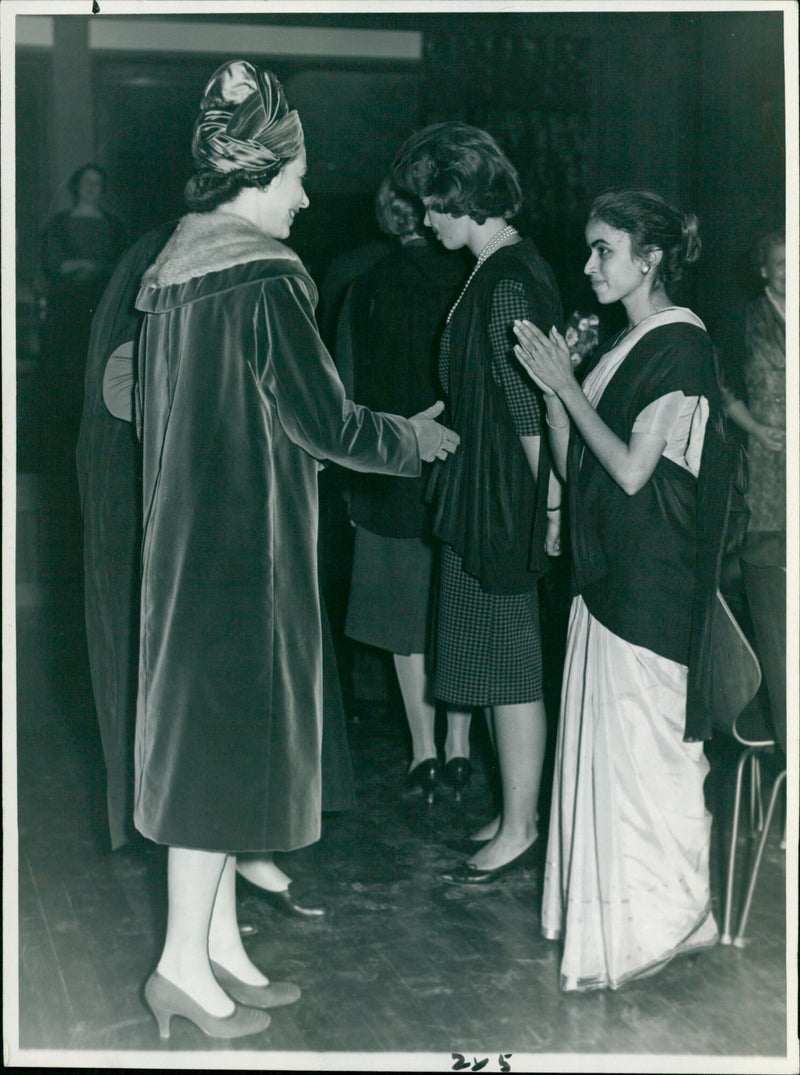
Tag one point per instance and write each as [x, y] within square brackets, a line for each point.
[762, 415]
[80, 247]
[388, 341]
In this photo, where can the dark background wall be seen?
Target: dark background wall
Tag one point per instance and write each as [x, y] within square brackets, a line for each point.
[691, 104]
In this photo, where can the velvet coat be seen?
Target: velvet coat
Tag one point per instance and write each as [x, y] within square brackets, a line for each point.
[240, 401]
[108, 477]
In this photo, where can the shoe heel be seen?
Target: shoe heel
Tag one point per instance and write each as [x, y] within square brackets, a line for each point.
[162, 1016]
[456, 774]
[163, 1019]
[166, 999]
[423, 778]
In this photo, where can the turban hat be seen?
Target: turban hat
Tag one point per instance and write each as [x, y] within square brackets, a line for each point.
[244, 122]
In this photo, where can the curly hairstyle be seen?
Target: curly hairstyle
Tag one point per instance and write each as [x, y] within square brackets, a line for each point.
[461, 169]
[399, 212]
[653, 224]
[206, 190]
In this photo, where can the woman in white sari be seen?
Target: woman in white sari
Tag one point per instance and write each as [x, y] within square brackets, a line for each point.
[626, 881]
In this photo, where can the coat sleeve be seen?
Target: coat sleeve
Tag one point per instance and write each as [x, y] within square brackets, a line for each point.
[295, 369]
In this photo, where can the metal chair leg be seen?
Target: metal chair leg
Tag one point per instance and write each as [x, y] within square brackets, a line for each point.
[738, 940]
[737, 799]
[759, 797]
[756, 804]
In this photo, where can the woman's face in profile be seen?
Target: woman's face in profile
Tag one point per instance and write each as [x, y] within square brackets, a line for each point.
[283, 199]
[614, 273]
[451, 231]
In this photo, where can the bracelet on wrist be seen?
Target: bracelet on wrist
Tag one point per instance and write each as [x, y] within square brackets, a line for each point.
[556, 507]
[558, 425]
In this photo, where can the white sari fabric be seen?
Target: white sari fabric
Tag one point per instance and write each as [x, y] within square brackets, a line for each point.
[626, 883]
[626, 879]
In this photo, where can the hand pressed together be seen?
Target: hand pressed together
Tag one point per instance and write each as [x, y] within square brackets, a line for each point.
[435, 440]
[546, 358]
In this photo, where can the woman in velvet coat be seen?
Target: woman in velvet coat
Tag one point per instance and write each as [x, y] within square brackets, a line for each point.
[240, 404]
[109, 467]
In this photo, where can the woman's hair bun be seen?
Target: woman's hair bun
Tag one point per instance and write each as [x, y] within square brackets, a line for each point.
[692, 245]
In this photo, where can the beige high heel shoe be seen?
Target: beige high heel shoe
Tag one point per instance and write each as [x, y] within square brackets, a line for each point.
[273, 995]
[166, 999]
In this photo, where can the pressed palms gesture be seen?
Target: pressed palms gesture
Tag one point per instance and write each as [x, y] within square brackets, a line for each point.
[546, 358]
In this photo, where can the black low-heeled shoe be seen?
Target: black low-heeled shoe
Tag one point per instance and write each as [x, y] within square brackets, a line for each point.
[283, 900]
[466, 874]
[456, 774]
[423, 778]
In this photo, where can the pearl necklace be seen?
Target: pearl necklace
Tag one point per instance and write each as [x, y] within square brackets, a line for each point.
[496, 240]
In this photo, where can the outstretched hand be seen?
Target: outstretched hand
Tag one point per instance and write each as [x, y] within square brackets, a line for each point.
[546, 358]
[435, 440]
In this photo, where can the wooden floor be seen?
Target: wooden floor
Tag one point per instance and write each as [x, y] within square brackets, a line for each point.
[403, 964]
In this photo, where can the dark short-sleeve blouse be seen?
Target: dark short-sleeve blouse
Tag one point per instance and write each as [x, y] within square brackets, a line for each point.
[508, 305]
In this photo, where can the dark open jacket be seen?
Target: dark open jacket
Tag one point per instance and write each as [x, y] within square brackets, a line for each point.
[488, 505]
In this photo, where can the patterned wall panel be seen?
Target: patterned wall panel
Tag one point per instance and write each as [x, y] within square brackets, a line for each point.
[531, 91]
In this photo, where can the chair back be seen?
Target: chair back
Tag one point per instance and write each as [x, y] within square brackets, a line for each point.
[732, 675]
[765, 589]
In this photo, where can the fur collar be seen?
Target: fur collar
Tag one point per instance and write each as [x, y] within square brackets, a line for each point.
[204, 243]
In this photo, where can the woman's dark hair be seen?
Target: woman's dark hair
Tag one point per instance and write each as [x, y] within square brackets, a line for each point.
[74, 181]
[462, 169]
[653, 224]
[207, 190]
[399, 212]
